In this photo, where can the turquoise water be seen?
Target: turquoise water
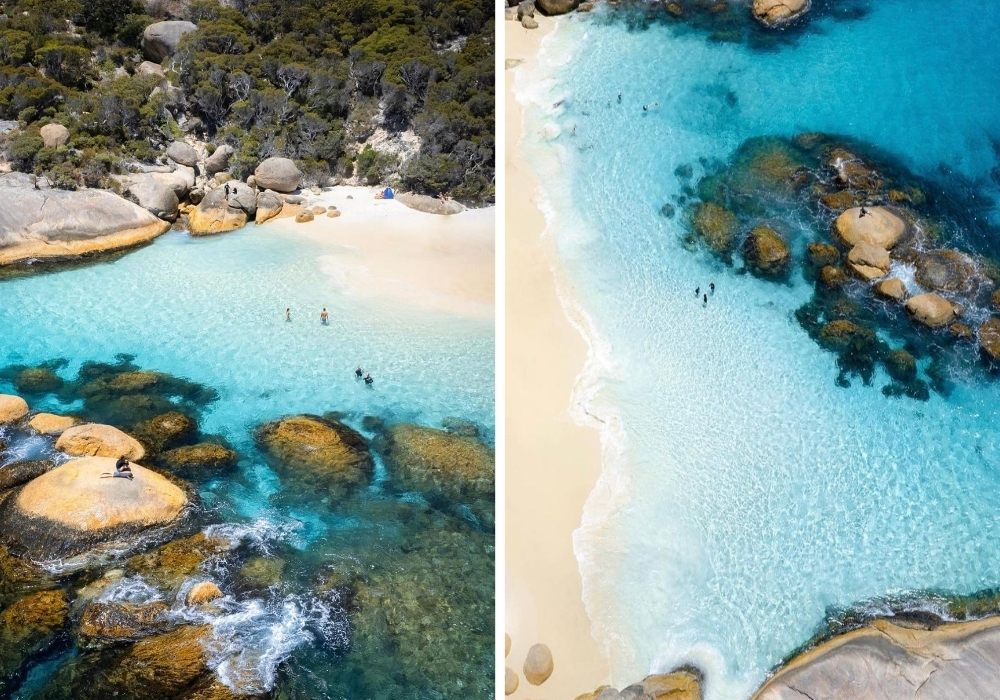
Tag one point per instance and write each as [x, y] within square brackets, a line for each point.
[744, 493]
[212, 311]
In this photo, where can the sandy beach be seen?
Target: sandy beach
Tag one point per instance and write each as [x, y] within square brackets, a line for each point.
[552, 463]
[382, 248]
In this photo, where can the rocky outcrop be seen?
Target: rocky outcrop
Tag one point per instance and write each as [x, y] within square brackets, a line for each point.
[219, 212]
[154, 196]
[885, 660]
[324, 452]
[161, 39]
[109, 623]
[61, 225]
[54, 135]
[679, 685]
[878, 227]
[766, 252]
[150, 68]
[438, 463]
[12, 408]
[989, 340]
[932, 310]
[75, 507]
[869, 262]
[219, 160]
[429, 205]
[269, 205]
[892, 289]
[28, 627]
[278, 174]
[96, 440]
[182, 153]
[51, 424]
[18, 473]
[775, 13]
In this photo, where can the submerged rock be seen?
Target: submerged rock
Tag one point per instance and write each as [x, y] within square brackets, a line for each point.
[932, 310]
[842, 334]
[878, 227]
[679, 685]
[774, 13]
[439, 463]
[193, 460]
[823, 254]
[28, 627]
[51, 424]
[37, 380]
[168, 565]
[901, 365]
[947, 271]
[716, 226]
[766, 252]
[321, 451]
[72, 509]
[165, 431]
[109, 623]
[96, 440]
[12, 408]
[851, 171]
[885, 660]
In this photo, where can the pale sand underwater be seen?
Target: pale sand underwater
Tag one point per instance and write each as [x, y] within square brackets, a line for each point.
[552, 463]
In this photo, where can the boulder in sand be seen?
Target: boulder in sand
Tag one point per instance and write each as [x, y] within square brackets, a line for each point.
[278, 174]
[774, 13]
[75, 507]
[510, 681]
[439, 463]
[932, 310]
[878, 227]
[182, 153]
[429, 205]
[96, 440]
[61, 225]
[869, 262]
[318, 450]
[269, 205]
[557, 7]
[54, 135]
[538, 664]
[160, 39]
[12, 408]
[304, 217]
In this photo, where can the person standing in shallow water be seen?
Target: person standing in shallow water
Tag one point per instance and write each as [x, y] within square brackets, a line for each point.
[368, 379]
[359, 373]
[704, 300]
[711, 288]
[324, 317]
[288, 314]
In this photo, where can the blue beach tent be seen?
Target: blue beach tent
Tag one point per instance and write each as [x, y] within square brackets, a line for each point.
[387, 193]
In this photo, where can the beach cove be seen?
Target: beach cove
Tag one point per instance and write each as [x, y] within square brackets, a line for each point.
[750, 497]
[196, 327]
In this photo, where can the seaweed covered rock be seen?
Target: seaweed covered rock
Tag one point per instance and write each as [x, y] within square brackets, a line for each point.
[438, 463]
[878, 227]
[989, 340]
[842, 334]
[95, 440]
[51, 424]
[762, 168]
[901, 365]
[766, 252]
[715, 225]
[195, 460]
[74, 508]
[822, 254]
[165, 431]
[869, 262]
[12, 408]
[168, 565]
[775, 13]
[931, 310]
[261, 572]
[37, 380]
[947, 271]
[323, 452]
[851, 171]
[28, 627]
[17, 473]
[109, 623]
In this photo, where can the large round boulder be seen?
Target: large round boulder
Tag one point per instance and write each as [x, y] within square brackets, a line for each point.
[538, 664]
[96, 440]
[182, 153]
[766, 252]
[893, 289]
[317, 450]
[438, 463]
[269, 205]
[161, 39]
[878, 227]
[12, 408]
[219, 160]
[557, 7]
[220, 212]
[774, 13]
[79, 505]
[51, 424]
[947, 271]
[989, 340]
[869, 262]
[154, 196]
[54, 135]
[278, 174]
[932, 310]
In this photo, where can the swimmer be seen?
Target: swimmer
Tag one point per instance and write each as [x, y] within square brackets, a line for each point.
[288, 314]
[324, 317]
[368, 379]
[359, 373]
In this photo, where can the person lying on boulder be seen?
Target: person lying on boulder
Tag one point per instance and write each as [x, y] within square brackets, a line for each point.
[122, 469]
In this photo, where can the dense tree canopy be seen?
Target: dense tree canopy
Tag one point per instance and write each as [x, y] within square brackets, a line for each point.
[308, 79]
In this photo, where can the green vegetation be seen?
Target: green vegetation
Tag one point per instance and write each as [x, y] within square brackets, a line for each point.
[308, 79]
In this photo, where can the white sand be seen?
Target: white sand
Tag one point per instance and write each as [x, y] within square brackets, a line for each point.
[552, 463]
[383, 248]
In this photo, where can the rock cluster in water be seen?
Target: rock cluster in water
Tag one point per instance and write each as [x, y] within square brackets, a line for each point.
[897, 283]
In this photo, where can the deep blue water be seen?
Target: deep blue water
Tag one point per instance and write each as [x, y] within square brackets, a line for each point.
[745, 493]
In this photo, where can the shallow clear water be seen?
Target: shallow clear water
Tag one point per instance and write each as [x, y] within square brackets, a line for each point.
[744, 492]
[213, 311]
